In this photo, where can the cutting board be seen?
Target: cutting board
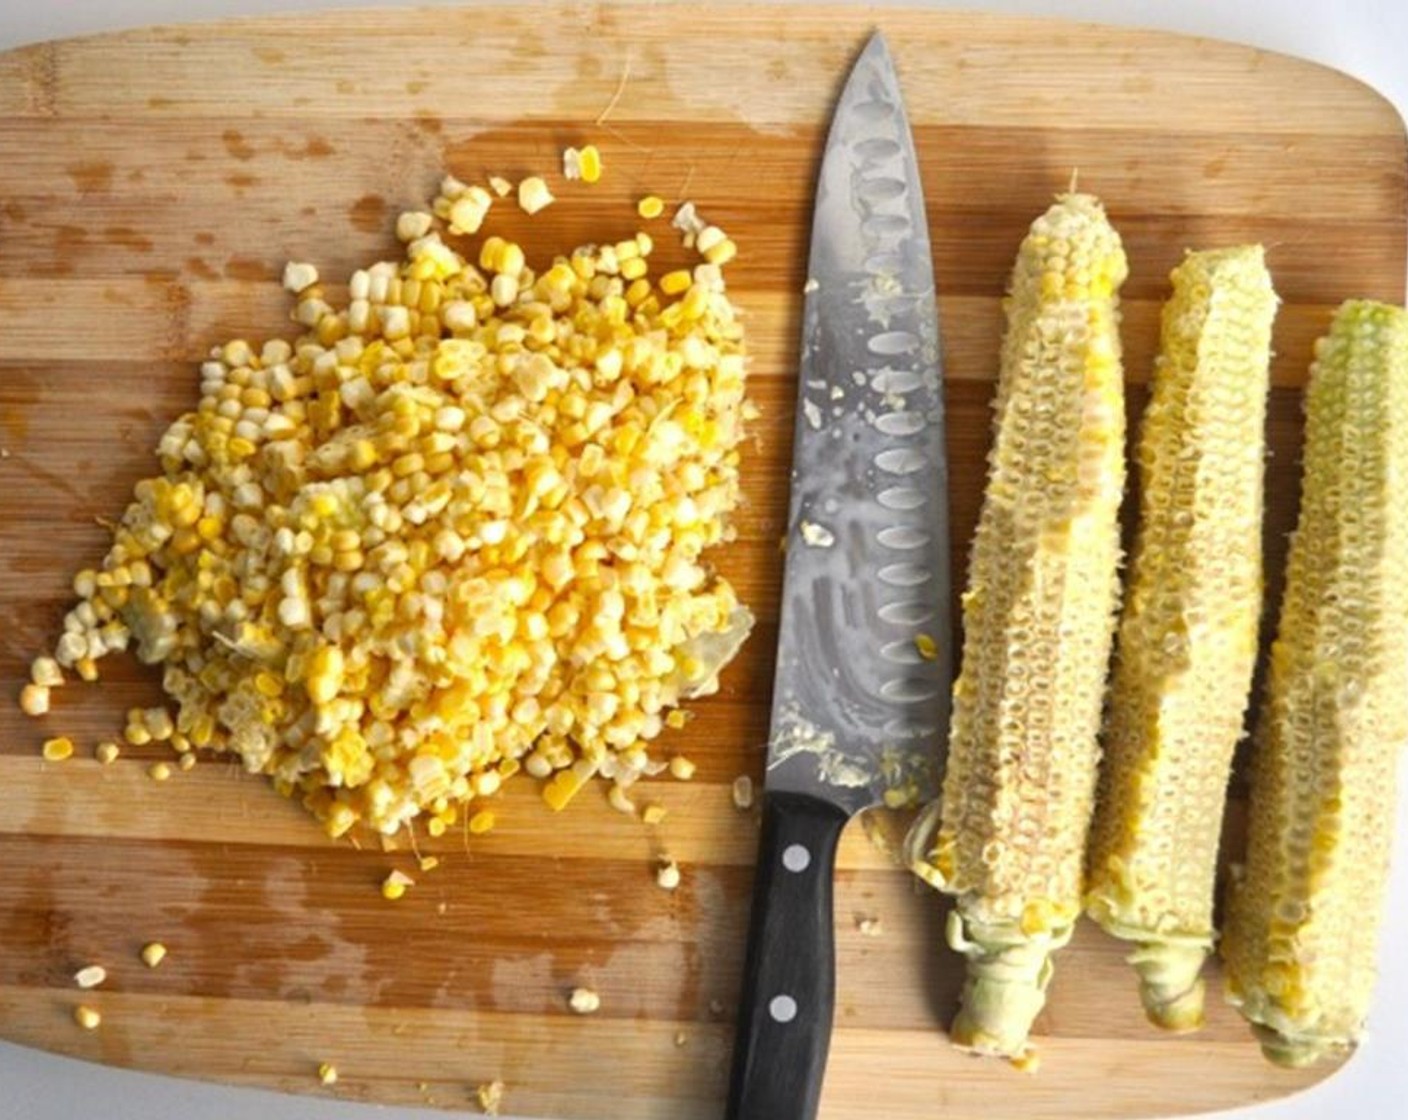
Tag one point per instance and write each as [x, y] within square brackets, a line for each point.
[153, 183]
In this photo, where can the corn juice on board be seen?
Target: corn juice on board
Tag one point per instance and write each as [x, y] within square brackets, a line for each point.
[152, 186]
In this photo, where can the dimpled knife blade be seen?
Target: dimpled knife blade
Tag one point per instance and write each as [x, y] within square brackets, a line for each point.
[862, 685]
[861, 694]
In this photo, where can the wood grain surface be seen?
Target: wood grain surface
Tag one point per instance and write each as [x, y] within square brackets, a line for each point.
[153, 183]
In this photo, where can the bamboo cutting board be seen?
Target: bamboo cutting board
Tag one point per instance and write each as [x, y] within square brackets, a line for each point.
[151, 186]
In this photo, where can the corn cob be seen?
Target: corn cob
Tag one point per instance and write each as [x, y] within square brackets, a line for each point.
[1188, 637]
[1303, 918]
[1039, 619]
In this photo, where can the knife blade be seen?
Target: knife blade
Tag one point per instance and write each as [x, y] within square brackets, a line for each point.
[861, 692]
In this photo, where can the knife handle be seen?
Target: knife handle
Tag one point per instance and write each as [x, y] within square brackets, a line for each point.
[789, 978]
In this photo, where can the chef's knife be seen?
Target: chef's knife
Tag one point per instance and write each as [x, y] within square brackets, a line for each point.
[861, 692]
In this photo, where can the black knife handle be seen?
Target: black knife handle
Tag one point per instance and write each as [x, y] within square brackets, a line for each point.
[789, 978]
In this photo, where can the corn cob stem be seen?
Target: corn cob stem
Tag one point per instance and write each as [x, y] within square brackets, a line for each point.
[1303, 919]
[1188, 636]
[1038, 618]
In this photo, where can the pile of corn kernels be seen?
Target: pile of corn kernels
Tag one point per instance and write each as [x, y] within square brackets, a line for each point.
[452, 531]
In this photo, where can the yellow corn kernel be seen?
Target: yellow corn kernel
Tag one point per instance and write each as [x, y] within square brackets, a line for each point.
[562, 788]
[106, 752]
[159, 771]
[584, 1001]
[651, 206]
[681, 768]
[58, 750]
[926, 647]
[394, 886]
[153, 953]
[677, 282]
[653, 814]
[1045, 558]
[483, 821]
[1300, 939]
[87, 669]
[327, 1073]
[584, 164]
[87, 1017]
[1179, 693]
[34, 699]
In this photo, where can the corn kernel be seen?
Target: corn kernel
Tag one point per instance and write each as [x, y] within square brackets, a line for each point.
[667, 875]
[327, 1073]
[395, 884]
[58, 750]
[153, 953]
[87, 1017]
[926, 646]
[654, 814]
[677, 282]
[681, 768]
[34, 699]
[481, 822]
[45, 671]
[533, 195]
[106, 752]
[159, 771]
[650, 207]
[742, 792]
[91, 976]
[584, 1001]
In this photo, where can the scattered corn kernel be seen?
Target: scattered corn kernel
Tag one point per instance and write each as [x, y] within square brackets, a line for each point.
[620, 800]
[481, 822]
[584, 164]
[106, 752]
[159, 771]
[429, 863]
[651, 206]
[34, 699]
[869, 927]
[927, 648]
[743, 792]
[45, 671]
[394, 885]
[654, 814]
[681, 768]
[584, 1001]
[667, 875]
[533, 195]
[186, 762]
[500, 186]
[91, 976]
[87, 1017]
[58, 749]
[327, 1073]
[490, 1097]
[87, 669]
[153, 953]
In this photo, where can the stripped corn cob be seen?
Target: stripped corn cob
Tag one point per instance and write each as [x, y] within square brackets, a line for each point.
[1188, 638]
[1039, 619]
[1303, 919]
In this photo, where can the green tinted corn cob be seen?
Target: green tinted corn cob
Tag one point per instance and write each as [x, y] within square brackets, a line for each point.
[1303, 918]
[1039, 617]
[1188, 636]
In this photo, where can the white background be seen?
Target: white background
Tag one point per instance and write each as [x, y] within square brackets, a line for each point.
[1367, 38]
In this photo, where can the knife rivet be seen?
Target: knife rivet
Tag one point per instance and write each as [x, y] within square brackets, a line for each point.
[796, 858]
[783, 1009]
